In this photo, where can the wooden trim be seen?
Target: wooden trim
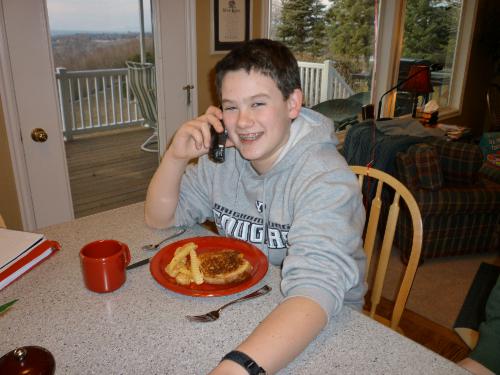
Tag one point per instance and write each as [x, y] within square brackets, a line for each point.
[34, 203]
[462, 57]
[192, 55]
[13, 130]
[265, 18]
[389, 45]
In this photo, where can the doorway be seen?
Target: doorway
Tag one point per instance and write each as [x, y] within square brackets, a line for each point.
[111, 149]
[29, 94]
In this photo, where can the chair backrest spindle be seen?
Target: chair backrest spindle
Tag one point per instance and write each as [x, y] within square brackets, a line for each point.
[372, 228]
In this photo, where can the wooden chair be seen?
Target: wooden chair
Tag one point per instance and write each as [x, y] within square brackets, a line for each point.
[141, 78]
[2, 223]
[380, 179]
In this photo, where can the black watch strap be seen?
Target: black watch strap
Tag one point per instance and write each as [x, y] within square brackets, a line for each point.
[245, 361]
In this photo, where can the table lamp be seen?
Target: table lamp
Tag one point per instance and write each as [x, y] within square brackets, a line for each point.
[418, 82]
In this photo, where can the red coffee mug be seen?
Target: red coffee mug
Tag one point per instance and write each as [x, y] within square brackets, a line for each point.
[103, 265]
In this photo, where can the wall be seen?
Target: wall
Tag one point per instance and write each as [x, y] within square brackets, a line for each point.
[206, 60]
[9, 206]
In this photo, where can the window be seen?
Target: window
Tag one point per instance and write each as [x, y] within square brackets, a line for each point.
[447, 26]
[390, 47]
[333, 42]
[429, 38]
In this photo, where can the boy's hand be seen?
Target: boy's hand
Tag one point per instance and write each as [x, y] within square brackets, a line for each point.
[192, 139]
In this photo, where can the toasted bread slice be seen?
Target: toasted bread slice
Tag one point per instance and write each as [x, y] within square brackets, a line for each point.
[224, 267]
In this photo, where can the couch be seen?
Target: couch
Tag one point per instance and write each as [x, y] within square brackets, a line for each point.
[458, 196]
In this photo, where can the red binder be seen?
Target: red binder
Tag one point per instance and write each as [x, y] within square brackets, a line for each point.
[22, 251]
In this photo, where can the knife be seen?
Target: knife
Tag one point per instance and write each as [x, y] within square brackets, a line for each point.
[138, 264]
[146, 261]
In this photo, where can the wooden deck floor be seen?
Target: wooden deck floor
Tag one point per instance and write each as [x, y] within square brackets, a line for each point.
[108, 170]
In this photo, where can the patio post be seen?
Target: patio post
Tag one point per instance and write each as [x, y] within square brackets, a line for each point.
[65, 102]
[141, 36]
[326, 81]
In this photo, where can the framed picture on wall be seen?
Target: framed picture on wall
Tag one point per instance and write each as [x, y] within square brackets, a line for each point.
[230, 24]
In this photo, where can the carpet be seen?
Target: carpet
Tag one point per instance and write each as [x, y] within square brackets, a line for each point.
[440, 285]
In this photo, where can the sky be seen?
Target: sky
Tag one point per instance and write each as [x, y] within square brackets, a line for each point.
[97, 15]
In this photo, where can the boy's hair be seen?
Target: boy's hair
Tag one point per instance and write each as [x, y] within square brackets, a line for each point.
[265, 56]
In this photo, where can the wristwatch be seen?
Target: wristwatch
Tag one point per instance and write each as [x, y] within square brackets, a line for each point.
[245, 361]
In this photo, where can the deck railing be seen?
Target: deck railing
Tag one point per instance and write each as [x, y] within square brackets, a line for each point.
[96, 100]
[321, 81]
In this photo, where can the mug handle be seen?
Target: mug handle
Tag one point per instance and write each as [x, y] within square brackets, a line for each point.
[126, 254]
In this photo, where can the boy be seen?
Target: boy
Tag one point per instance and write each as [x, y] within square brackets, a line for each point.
[283, 187]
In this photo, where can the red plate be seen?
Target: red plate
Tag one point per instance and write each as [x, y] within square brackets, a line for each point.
[206, 244]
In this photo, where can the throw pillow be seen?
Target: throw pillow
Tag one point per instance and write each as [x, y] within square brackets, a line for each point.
[427, 166]
[460, 162]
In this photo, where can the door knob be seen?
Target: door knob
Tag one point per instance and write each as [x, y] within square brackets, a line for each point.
[39, 135]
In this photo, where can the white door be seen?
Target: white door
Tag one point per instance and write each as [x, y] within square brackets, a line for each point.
[28, 92]
[175, 59]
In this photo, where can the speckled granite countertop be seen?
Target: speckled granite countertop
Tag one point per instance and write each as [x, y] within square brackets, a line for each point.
[141, 329]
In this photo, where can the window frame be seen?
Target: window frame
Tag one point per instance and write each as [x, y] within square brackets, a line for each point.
[388, 53]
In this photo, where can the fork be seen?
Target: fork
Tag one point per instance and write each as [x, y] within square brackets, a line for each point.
[214, 315]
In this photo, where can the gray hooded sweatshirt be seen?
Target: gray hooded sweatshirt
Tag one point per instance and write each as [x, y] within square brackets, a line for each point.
[305, 213]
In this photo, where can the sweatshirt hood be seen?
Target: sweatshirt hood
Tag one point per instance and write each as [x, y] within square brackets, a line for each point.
[321, 129]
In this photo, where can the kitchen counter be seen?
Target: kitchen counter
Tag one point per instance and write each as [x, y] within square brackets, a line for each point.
[141, 328]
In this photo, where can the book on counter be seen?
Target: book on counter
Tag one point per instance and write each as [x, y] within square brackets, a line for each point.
[20, 252]
[453, 131]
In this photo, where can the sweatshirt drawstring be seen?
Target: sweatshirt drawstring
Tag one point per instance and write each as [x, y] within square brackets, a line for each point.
[238, 184]
[265, 218]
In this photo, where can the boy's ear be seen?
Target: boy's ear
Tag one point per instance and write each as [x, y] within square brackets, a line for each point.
[294, 102]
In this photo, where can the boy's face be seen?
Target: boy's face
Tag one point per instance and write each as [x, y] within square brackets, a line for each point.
[257, 117]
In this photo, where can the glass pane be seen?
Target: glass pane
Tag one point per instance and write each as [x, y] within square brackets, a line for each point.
[334, 44]
[430, 37]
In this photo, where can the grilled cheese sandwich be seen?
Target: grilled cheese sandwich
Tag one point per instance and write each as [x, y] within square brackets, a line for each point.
[224, 267]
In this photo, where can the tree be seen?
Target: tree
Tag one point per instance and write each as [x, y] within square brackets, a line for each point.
[351, 37]
[350, 30]
[318, 29]
[430, 26]
[302, 27]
